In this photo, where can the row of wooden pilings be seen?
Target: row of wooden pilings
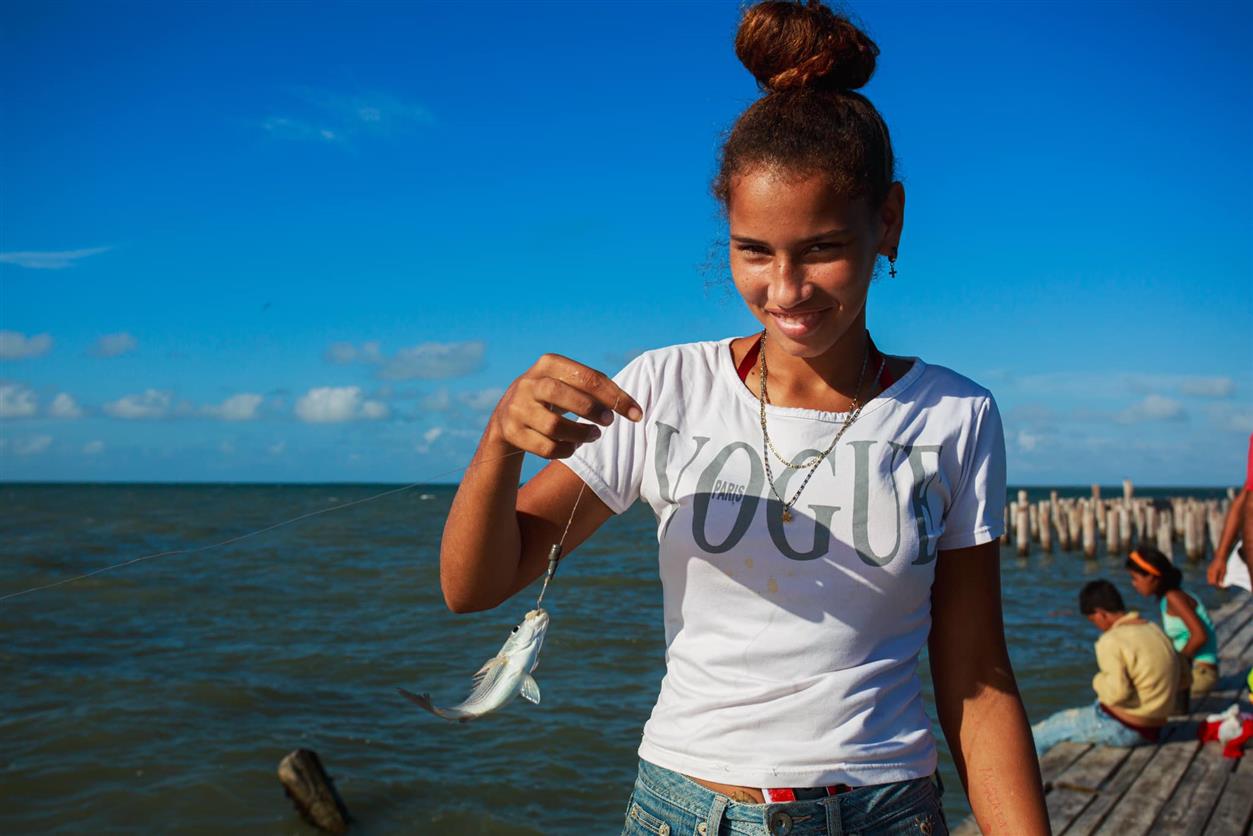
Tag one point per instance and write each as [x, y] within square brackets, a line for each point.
[1117, 523]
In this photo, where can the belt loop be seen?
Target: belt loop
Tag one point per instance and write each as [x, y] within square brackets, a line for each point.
[835, 821]
[716, 810]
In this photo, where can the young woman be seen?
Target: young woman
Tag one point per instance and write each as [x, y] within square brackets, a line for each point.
[1184, 618]
[823, 509]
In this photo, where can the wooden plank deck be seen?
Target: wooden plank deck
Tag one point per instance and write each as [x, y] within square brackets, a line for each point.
[1178, 786]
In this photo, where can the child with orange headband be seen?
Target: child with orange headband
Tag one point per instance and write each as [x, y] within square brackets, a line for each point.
[1184, 617]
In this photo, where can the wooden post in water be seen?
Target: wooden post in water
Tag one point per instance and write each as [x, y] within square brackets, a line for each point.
[1005, 532]
[1150, 524]
[1215, 521]
[1194, 532]
[1061, 520]
[1113, 546]
[1046, 533]
[1033, 521]
[1099, 509]
[1164, 529]
[1124, 529]
[309, 787]
[1023, 525]
[1089, 531]
[1075, 524]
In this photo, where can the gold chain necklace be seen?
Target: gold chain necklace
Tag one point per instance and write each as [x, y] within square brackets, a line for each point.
[768, 445]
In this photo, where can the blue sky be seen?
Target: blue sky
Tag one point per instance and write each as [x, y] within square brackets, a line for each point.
[289, 242]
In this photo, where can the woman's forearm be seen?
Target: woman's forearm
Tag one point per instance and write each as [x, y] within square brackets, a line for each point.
[482, 543]
[991, 742]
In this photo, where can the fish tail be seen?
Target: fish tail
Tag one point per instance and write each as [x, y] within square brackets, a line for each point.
[423, 700]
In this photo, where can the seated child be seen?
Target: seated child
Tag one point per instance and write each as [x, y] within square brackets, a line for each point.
[1184, 619]
[1137, 684]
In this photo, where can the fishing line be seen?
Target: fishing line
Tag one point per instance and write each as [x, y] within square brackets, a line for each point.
[305, 516]
[554, 554]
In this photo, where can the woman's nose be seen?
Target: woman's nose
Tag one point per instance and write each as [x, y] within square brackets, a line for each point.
[788, 287]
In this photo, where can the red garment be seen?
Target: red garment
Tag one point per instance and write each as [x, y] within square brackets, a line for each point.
[1149, 733]
[885, 379]
[1248, 475]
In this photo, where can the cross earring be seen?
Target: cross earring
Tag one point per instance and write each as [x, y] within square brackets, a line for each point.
[892, 266]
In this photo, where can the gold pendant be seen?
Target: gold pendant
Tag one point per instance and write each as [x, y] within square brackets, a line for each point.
[787, 515]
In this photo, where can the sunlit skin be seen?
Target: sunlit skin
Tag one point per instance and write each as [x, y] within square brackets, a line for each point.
[797, 246]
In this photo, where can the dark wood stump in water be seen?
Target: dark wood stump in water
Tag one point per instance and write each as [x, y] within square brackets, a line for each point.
[309, 787]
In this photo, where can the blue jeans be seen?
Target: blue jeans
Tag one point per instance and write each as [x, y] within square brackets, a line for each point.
[1089, 724]
[667, 803]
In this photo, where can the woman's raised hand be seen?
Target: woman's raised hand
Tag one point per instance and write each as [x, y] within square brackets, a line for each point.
[529, 414]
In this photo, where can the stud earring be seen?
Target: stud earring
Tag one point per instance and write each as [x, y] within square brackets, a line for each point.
[892, 265]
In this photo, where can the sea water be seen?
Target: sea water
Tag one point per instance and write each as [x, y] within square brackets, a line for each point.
[160, 696]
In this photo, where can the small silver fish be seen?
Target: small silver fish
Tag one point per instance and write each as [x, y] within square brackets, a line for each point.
[502, 677]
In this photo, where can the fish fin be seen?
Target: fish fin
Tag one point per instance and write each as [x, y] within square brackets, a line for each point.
[530, 689]
[488, 666]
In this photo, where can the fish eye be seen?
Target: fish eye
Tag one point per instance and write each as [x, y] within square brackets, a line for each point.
[515, 628]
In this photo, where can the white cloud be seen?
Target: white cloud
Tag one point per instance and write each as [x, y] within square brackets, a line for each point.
[428, 438]
[114, 345]
[241, 407]
[17, 401]
[336, 404]
[426, 361]
[151, 404]
[1027, 441]
[32, 446]
[15, 345]
[482, 400]
[373, 410]
[64, 406]
[434, 361]
[1230, 417]
[334, 118]
[277, 448]
[1208, 387]
[1153, 408]
[437, 401]
[343, 353]
[93, 448]
[45, 260]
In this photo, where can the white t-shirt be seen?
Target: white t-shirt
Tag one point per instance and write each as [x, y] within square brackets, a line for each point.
[792, 648]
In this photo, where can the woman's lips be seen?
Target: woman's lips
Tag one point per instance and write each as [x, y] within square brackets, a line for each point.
[798, 325]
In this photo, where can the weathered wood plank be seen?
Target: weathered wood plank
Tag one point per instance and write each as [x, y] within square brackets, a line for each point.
[1064, 804]
[1090, 819]
[1232, 651]
[1235, 806]
[1055, 761]
[1092, 769]
[1229, 621]
[1134, 813]
[1189, 808]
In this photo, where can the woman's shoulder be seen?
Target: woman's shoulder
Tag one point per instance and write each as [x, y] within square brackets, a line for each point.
[947, 382]
[689, 355]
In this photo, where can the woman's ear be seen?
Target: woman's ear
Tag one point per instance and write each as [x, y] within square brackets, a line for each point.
[891, 218]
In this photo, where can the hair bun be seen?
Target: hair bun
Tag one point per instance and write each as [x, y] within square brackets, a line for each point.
[786, 44]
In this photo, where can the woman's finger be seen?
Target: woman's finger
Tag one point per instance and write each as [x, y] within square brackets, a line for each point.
[544, 420]
[597, 384]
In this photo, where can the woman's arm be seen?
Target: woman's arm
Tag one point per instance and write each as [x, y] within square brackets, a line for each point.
[977, 697]
[1180, 605]
[497, 537]
[1231, 532]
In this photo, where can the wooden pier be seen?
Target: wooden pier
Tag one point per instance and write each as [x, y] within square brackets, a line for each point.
[1177, 786]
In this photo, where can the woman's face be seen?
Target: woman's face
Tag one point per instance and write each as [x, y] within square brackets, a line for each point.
[797, 247]
[1143, 582]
